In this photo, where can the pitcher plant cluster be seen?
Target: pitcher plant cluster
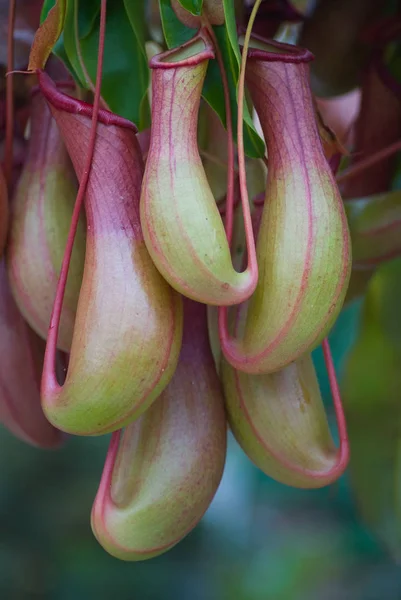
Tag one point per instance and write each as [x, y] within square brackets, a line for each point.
[198, 195]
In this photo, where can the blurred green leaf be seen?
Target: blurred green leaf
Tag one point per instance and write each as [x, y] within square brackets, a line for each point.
[385, 294]
[375, 478]
[193, 6]
[372, 378]
[371, 393]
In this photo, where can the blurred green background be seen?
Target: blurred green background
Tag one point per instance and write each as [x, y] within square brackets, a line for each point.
[259, 540]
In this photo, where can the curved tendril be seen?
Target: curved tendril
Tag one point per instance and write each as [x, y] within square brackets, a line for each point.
[369, 161]
[8, 154]
[250, 240]
[343, 451]
[50, 354]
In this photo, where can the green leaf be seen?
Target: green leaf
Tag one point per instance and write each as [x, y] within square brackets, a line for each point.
[231, 25]
[86, 18]
[213, 94]
[58, 48]
[254, 145]
[176, 34]
[88, 13]
[137, 17]
[125, 78]
[192, 6]
[47, 5]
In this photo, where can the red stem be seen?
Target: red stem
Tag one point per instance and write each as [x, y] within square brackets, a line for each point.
[51, 346]
[8, 154]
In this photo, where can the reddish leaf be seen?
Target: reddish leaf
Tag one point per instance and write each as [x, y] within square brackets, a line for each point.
[47, 35]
